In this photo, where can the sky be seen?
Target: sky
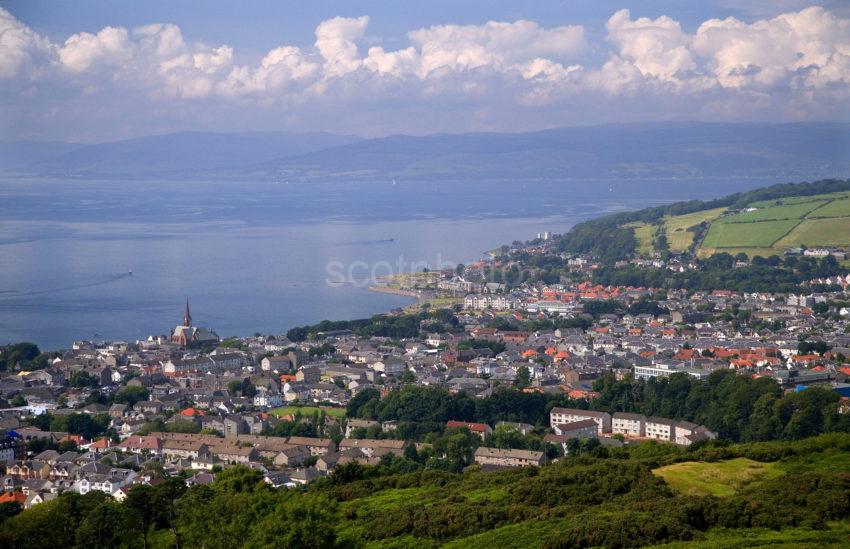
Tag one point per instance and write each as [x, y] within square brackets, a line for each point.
[92, 71]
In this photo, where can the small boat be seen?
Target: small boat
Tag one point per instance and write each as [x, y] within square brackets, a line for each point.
[130, 273]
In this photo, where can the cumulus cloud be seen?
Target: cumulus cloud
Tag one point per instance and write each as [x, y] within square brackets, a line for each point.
[810, 48]
[82, 51]
[495, 44]
[796, 62]
[657, 47]
[336, 40]
[19, 46]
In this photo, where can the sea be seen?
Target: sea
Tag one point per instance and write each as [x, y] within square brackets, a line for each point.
[117, 260]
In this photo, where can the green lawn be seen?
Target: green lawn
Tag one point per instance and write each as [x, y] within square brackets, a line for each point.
[819, 232]
[308, 410]
[747, 235]
[722, 478]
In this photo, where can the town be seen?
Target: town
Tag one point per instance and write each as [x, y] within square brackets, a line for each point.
[108, 416]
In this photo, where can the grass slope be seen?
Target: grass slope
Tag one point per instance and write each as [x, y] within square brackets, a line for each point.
[679, 238]
[721, 479]
[769, 229]
[747, 235]
[308, 410]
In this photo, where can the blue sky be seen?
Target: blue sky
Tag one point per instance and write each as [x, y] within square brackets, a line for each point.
[99, 70]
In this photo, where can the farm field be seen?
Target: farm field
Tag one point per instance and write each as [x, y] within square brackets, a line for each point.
[679, 238]
[836, 208]
[811, 221]
[786, 211]
[747, 235]
[721, 479]
[818, 232]
[308, 410]
[800, 199]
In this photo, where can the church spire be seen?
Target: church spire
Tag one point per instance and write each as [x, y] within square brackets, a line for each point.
[187, 316]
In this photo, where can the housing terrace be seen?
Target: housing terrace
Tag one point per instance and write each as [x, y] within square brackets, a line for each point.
[507, 457]
[569, 415]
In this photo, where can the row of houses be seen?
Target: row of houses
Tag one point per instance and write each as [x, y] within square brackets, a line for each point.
[590, 423]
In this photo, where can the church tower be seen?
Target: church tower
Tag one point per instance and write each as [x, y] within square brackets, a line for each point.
[187, 316]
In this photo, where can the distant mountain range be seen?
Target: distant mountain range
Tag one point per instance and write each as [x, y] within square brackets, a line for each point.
[628, 151]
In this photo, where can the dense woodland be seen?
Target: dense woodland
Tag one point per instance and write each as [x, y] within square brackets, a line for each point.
[604, 499]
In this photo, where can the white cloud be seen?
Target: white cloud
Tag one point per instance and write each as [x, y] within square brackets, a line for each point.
[657, 47]
[336, 40]
[809, 49]
[794, 65]
[495, 44]
[19, 46]
[81, 51]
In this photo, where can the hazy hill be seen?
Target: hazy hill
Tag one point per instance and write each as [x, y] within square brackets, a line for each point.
[15, 155]
[177, 153]
[670, 150]
[619, 151]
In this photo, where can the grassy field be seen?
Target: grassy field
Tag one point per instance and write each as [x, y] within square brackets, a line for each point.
[751, 252]
[678, 237]
[434, 303]
[818, 232]
[643, 234]
[308, 410]
[819, 220]
[836, 208]
[722, 479]
[747, 235]
[786, 211]
[800, 199]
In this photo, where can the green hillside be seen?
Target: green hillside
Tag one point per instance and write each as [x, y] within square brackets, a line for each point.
[765, 227]
[785, 493]
[762, 222]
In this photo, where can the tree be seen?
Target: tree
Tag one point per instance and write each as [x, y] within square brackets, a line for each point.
[248, 389]
[83, 379]
[67, 446]
[234, 386]
[407, 376]
[131, 394]
[101, 527]
[141, 510]
[17, 354]
[523, 376]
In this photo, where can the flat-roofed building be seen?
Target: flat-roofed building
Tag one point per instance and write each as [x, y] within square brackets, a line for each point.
[630, 425]
[661, 428]
[586, 428]
[560, 416]
[508, 458]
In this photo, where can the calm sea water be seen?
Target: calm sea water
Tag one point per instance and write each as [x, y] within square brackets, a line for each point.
[258, 257]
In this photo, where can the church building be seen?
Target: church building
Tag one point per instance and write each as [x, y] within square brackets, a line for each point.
[186, 334]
